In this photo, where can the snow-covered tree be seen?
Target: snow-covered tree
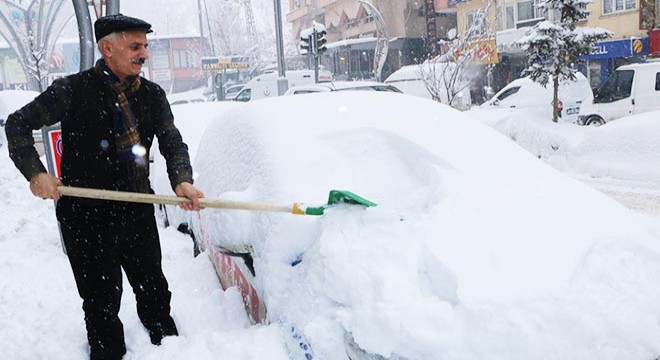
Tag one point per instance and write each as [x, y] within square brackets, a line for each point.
[447, 77]
[555, 46]
[31, 28]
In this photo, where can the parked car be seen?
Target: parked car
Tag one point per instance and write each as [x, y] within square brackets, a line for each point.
[185, 97]
[12, 100]
[186, 101]
[418, 257]
[413, 79]
[526, 93]
[265, 85]
[233, 90]
[630, 89]
[341, 86]
[192, 121]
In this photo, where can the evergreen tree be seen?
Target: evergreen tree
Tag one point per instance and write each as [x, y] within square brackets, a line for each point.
[555, 46]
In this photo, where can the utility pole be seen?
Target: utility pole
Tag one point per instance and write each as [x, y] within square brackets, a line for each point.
[382, 44]
[282, 83]
[85, 34]
[201, 28]
[112, 7]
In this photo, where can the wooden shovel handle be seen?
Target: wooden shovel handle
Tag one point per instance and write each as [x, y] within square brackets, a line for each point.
[169, 200]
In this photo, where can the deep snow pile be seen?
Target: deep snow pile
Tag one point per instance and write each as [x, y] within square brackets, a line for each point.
[626, 149]
[476, 249]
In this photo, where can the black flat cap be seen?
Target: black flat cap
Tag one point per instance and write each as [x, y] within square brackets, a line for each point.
[108, 24]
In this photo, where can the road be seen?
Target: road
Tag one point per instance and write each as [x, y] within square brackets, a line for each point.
[640, 196]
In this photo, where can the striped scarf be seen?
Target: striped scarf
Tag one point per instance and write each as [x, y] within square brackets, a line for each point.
[131, 153]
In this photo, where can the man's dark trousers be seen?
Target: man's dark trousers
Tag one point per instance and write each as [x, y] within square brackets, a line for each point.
[100, 240]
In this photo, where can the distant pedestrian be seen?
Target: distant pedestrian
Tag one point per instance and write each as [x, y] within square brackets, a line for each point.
[109, 116]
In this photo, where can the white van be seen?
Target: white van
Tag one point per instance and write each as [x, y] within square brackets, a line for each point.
[410, 80]
[265, 85]
[526, 93]
[630, 89]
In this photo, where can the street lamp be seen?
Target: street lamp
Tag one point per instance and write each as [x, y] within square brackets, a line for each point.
[382, 44]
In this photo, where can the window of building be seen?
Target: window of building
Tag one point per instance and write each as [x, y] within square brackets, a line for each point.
[510, 18]
[613, 6]
[475, 23]
[181, 59]
[529, 13]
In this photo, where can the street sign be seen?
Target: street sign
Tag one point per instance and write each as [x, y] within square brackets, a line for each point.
[54, 147]
[224, 62]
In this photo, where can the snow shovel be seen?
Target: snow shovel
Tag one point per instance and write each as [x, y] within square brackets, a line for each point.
[335, 197]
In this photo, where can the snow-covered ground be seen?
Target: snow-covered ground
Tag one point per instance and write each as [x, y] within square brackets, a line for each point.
[582, 290]
[619, 159]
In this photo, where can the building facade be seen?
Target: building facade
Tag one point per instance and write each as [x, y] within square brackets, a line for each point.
[174, 63]
[631, 21]
[353, 31]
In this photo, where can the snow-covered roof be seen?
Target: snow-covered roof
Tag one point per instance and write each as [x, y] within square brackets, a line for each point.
[346, 42]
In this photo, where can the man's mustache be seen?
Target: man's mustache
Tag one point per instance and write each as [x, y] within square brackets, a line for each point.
[139, 61]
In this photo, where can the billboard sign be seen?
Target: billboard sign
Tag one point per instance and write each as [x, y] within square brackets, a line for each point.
[224, 62]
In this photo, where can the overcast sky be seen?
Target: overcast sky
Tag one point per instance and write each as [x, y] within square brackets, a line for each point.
[180, 17]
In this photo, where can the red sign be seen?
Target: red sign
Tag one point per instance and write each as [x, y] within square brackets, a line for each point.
[655, 42]
[55, 139]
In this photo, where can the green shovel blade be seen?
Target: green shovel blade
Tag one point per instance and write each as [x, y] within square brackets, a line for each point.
[347, 197]
[339, 197]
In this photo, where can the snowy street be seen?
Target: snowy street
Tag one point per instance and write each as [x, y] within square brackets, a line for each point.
[642, 197]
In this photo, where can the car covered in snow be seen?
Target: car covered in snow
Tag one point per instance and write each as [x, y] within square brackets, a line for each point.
[341, 86]
[526, 93]
[12, 100]
[473, 245]
[191, 119]
[428, 81]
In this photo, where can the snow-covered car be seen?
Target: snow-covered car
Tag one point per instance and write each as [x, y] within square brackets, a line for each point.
[191, 96]
[12, 100]
[418, 79]
[191, 119]
[525, 93]
[474, 244]
[341, 86]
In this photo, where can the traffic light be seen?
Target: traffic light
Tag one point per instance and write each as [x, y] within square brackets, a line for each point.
[305, 45]
[321, 41]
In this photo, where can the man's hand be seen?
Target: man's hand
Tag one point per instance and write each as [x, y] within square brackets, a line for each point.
[186, 189]
[44, 185]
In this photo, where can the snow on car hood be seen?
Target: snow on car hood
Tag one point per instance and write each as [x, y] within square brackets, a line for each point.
[474, 245]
